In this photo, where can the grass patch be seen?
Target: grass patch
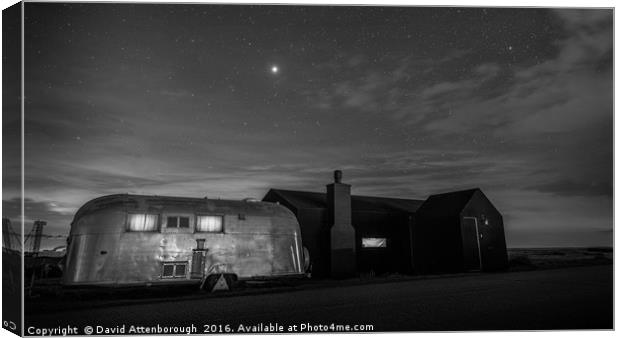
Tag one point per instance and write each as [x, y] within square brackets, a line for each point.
[544, 258]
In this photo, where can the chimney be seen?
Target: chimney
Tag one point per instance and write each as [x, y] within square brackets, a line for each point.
[342, 233]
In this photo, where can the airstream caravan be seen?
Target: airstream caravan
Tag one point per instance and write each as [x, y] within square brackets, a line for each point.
[133, 239]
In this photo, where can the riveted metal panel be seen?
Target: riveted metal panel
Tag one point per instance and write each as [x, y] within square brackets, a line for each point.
[265, 244]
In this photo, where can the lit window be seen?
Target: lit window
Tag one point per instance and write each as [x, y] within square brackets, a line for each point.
[142, 222]
[209, 223]
[177, 222]
[174, 270]
[372, 242]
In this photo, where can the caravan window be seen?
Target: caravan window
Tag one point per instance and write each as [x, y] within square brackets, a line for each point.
[174, 270]
[209, 223]
[142, 222]
[177, 222]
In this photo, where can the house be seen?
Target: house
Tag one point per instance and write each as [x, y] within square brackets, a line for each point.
[459, 231]
[348, 234]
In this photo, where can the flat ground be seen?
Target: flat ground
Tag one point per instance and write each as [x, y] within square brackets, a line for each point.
[562, 298]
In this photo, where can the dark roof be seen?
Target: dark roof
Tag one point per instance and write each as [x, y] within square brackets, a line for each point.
[317, 200]
[446, 205]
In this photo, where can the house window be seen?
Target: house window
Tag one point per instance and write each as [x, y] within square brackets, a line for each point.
[374, 242]
[142, 222]
[210, 223]
[177, 222]
[174, 270]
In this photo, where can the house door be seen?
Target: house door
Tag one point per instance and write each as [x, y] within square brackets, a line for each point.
[471, 244]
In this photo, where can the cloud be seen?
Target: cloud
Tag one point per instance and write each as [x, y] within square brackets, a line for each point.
[54, 232]
[572, 188]
[560, 94]
[533, 130]
[543, 219]
[553, 118]
[176, 93]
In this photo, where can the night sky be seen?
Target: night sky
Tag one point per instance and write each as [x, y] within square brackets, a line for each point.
[229, 101]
